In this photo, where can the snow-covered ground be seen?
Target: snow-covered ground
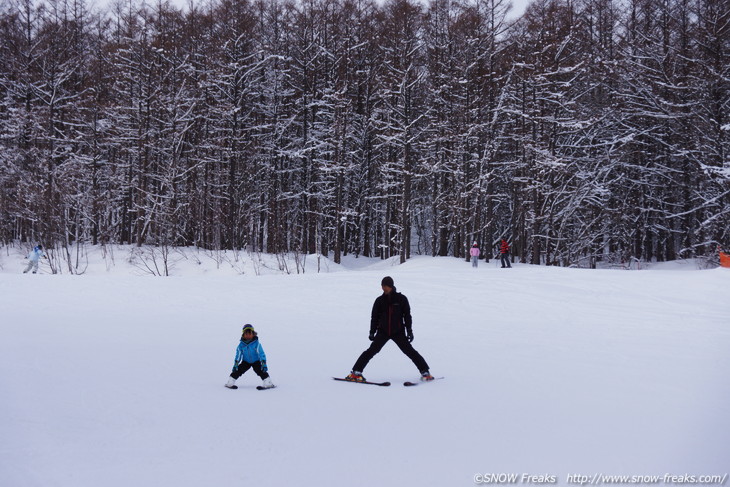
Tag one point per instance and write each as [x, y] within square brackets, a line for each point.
[115, 378]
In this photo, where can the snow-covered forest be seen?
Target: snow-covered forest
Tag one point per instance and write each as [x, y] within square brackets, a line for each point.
[584, 130]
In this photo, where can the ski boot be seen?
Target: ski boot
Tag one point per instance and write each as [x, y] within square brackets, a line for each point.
[426, 376]
[267, 384]
[355, 376]
[231, 384]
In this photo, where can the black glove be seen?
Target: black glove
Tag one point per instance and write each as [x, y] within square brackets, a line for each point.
[409, 335]
[264, 367]
[371, 336]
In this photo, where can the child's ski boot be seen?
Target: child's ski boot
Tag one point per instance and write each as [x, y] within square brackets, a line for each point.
[267, 384]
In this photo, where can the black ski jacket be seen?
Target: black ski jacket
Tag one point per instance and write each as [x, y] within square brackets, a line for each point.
[391, 314]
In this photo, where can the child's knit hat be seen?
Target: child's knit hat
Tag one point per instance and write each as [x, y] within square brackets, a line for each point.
[248, 327]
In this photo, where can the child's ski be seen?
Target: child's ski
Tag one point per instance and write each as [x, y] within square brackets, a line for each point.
[262, 388]
[363, 382]
[409, 383]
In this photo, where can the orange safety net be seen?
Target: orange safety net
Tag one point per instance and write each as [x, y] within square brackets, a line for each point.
[724, 259]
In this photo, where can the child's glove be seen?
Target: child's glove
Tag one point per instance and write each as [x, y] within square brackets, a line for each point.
[235, 365]
[371, 336]
[264, 367]
[409, 335]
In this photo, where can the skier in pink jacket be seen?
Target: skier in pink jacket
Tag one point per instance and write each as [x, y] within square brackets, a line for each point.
[474, 252]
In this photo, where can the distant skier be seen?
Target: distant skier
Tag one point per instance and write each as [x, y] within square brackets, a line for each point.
[390, 320]
[474, 252]
[249, 354]
[34, 256]
[504, 252]
[724, 256]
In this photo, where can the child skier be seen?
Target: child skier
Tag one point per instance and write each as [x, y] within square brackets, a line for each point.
[250, 354]
[474, 252]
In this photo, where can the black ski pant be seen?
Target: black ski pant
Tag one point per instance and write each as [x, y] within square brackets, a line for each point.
[505, 260]
[244, 366]
[380, 340]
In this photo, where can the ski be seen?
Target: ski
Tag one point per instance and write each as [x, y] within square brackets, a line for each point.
[363, 382]
[410, 384]
[262, 388]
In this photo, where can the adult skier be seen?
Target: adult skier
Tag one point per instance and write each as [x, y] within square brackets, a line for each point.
[34, 256]
[390, 320]
[504, 251]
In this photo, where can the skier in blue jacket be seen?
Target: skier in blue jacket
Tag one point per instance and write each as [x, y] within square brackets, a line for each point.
[249, 354]
[34, 256]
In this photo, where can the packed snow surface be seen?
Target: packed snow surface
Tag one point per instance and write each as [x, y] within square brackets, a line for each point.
[113, 378]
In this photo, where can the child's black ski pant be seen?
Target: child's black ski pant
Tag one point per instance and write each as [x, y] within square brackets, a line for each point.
[244, 366]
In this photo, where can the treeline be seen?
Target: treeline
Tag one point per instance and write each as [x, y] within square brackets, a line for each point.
[584, 130]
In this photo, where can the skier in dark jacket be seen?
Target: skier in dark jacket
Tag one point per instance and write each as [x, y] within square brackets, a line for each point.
[390, 320]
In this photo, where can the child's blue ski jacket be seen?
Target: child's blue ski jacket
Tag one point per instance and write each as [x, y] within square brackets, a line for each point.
[250, 352]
